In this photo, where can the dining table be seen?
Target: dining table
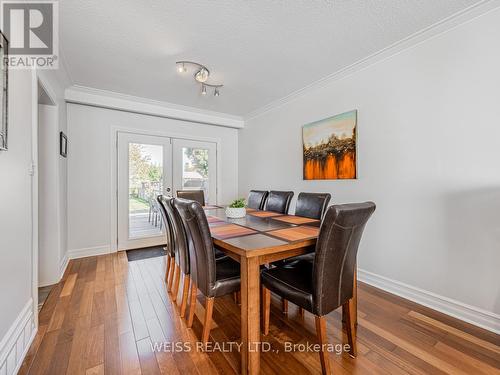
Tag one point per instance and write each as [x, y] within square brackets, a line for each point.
[258, 239]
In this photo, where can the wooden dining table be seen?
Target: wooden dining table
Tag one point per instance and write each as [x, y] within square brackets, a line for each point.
[259, 238]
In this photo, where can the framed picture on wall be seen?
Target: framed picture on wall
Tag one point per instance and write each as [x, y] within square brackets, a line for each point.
[63, 145]
[330, 148]
[4, 91]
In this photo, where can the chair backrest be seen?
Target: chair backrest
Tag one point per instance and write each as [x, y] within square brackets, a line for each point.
[193, 195]
[179, 237]
[200, 245]
[168, 225]
[312, 205]
[336, 251]
[257, 199]
[279, 201]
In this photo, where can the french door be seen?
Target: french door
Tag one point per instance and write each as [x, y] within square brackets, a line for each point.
[152, 165]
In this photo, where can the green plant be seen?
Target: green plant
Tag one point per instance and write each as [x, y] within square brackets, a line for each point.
[238, 203]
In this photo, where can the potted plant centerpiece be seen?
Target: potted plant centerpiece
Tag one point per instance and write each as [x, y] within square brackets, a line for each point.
[236, 209]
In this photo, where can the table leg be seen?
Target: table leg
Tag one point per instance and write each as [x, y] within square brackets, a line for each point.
[250, 315]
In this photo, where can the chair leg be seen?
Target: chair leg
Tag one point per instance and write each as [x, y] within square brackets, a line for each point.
[266, 309]
[173, 266]
[301, 312]
[185, 292]
[209, 307]
[169, 259]
[284, 305]
[235, 297]
[323, 341]
[192, 304]
[350, 315]
[177, 279]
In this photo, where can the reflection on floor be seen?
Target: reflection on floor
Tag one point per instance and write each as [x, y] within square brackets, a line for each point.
[146, 253]
[142, 226]
[43, 293]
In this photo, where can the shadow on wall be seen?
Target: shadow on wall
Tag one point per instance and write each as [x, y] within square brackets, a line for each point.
[473, 236]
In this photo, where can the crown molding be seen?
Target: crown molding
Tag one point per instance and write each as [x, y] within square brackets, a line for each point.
[122, 102]
[441, 27]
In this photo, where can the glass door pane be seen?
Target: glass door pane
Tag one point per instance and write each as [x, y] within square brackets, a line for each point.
[195, 170]
[144, 172]
[195, 167]
[144, 185]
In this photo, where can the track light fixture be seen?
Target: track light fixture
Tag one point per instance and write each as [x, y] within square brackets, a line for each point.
[201, 75]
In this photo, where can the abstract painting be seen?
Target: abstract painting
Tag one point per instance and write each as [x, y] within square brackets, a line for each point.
[329, 148]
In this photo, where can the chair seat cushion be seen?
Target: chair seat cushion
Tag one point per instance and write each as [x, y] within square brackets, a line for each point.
[292, 261]
[227, 277]
[292, 281]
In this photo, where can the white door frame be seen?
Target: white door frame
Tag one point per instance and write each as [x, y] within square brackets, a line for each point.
[36, 79]
[115, 129]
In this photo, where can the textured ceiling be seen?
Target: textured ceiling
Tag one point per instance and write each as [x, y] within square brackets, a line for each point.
[262, 50]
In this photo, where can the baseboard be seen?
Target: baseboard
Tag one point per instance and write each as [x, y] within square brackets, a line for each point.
[17, 341]
[88, 252]
[63, 265]
[470, 314]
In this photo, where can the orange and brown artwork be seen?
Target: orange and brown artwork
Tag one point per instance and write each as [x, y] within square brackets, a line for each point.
[330, 148]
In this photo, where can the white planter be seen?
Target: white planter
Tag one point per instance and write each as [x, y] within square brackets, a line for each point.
[235, 213]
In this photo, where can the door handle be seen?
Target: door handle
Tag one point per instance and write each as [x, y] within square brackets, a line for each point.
[168, 190]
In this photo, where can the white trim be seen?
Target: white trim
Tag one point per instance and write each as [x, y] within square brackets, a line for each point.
[470, 314]
[441, 27]
[112, 100]
[34, 193]
[17, 341]
[63, 265]
[88, 252]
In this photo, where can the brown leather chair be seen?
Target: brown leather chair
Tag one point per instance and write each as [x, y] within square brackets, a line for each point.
[324, 283]
[214, 278]
[180, 244]
[170, 247]
[194, 195]
[312, 205]
[279, 201]
[257, 199]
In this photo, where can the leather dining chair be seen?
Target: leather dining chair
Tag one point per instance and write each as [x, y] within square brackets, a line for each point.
[213, 277]
[279, 201]
[194, 195]
[312, 205]
[257, 199]
[324, 283]
[180, 243]
[170, 248]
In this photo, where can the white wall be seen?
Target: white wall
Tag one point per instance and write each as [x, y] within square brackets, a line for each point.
[15, 218]
[429, 156]
[89, 167]
[48, 193]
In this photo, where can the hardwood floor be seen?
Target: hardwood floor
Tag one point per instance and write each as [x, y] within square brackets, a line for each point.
[103, 317]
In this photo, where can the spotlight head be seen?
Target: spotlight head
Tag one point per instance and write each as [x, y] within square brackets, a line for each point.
[201, 75]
